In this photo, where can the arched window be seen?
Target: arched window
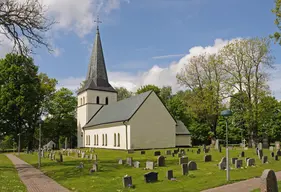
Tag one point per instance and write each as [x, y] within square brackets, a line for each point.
[105, 139]
[106, 100]
[83, 100]
[97, 139]
[102, 139]
[114, 139]
[98, 100]
[118, 145]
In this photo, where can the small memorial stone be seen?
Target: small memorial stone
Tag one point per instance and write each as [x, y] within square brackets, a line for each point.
[161, 161]
[238, 163]
[184, 168]
[264, 159]
[176, 151]
[250, 162]
[95, 167]
[149, 165]
[260, 154]
[276, 158]
[127, 181]
[129, 161]
[179, 155]
[242, 154]
[222, 164]
[207, 158]
[61, 157]
[272, 154]
[271, 148]
[131, 151]
[168, 152]
[95, 157]
[91, 156]
[169, 174]
[151, 177]
[277, 145]
[268, 181]
[142, 152]
[120, 161]
[137, 164]
[233, 160]
[183, 160]
[192, 165]
[278, 152]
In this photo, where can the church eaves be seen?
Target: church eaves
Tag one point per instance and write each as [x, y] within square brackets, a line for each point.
[97, 75]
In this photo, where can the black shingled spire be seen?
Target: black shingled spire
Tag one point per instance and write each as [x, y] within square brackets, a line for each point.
[97, 76]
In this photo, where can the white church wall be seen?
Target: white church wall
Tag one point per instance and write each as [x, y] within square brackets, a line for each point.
[110, 130]
[93, 94]
[183, 140]
[152, 126]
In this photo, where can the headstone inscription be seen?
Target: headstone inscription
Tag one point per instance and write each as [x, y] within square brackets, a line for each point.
[269, 181]
[151, 177]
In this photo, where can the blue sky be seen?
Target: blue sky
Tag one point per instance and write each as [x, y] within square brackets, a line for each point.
[137, 33]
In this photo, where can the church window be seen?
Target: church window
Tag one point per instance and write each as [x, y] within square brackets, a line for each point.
[98, 100]
[88, 140]
[102, 139]
[83, 100]
[106, 100]
[118, 145]
[105, 139]
[97, 139]
[114, 139]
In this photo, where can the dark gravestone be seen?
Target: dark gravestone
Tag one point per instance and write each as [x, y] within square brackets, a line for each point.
[198, 151]
[238, 163]
[157, 153]
[278, 152]
[276, 158]
[176, 151]
[173, 154]
[260, 154]
[184, 168]
[192, 165]
[127, 181]
[272, 154]
[161, 161]
[61, 158]
[233, 160]
[250, 162]
[179, 155]
[142, 152]
[242, 154]
[151, 177]
[183, 160]
[169, 174]
[268, 181]
[264, 159]
[207, 158]
[219, 148]
[168, 152]
[222, 164]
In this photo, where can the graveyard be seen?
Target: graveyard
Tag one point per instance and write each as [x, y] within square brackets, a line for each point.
[74, 172]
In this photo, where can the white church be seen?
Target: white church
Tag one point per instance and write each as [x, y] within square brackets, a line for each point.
[139, 122]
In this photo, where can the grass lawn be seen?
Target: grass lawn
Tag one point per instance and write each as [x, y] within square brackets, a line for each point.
[279, 187]
[9, 179]
[109, 177]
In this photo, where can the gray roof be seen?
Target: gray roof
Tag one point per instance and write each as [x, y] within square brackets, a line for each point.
[97, 74]
[181, 128]
[120, 111]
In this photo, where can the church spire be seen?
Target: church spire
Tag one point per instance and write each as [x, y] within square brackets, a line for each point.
[97, 75]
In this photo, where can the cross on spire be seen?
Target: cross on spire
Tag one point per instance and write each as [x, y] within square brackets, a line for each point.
[98, 21]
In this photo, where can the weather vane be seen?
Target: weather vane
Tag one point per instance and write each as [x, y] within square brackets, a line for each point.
[98, 21]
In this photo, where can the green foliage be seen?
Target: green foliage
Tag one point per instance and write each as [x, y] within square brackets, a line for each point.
[7, 143]
[122, 93]
[277, 12]
[146, 88]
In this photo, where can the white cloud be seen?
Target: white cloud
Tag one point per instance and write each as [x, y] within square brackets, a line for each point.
[161, 76]
[167, 56]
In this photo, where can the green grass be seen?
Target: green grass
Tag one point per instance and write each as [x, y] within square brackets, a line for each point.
[279, 187]
[9, 179]
[109, 178]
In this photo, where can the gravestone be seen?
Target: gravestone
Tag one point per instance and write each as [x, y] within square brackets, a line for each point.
[91, 156]
[217, 145]
[173, 155]
[131, 151]
[50, 156]
[129, 161]
[192, 165]
[68, 153]
[260, 146]
[246, 159]
[161, 161]
[272, 154]
[276, 158]
[204, 147]
[95, 157]
[242, 154]
[137, 164]
[265, 142]
[207, 150]
[151, 177]
[54, 156]
[86, 156]
[142, 152]
[95, 167]
[264, 159]
[176, 151]
[168, 152]
[183, 152]
[238, 163]
[179, 155]
[260, 154]
[157, 153]
[83, 155]
[183, 160]
[184, 168]
[120, 161]
[268, 181]
[198, 152]
[61, 158]
[278, 152]
[277, 145]
[169, 174]
[250, 162]
[219, 148]
[207, 158]
[233, 160]
[271, 148]
[222, 164]
[127, 181]
[149, 165]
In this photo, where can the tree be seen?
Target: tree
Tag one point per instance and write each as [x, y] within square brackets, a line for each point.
[24, 23]
[61, 121]
[146, 88]
[7, 143]
[277, 12]
[122, 93]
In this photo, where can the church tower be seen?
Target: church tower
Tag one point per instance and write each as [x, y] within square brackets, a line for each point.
[95, 92]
